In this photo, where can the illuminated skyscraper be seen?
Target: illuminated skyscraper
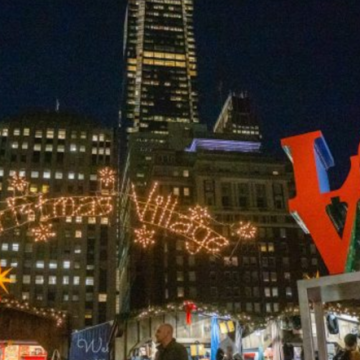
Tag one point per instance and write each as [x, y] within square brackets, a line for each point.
[160, 65]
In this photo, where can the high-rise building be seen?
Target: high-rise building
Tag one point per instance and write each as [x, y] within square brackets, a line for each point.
[238, 117]
[160, 65]
[235, 183]
[60, 155]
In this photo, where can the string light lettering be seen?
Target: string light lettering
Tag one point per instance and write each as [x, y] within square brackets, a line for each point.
[107, 177]
[18, 183]
[194, 226]
[246, 230]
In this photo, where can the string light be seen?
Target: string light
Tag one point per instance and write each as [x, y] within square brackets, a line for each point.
[18, 183]
[144, 236]
[193, 226]
[107, 177]
[4, 279]
[58, 316]
[246, 230]
[43, 233]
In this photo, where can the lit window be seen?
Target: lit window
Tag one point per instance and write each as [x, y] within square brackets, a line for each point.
[15, 145]
[68, 219]
[104, 220]
[66, 264]
[26, 279]
[185, 173]
[71, 176]
[45, 189]
[94, 138]
[13, 263]
[39, 279]
[49, 147]
[288, 291]
[1, 172]
[38, 134]
[81, 176]
[76, 280]
[66, 280]
[62, 134]
[4, 247]
[58, 175]
[40, 264]
[47, 174]
[275, 292]
[77, 249]
[83, 135]
[186, 191]
[24, 145]
[50, 133]
[78, 234]
[3, 262]
[94, 151]
[33, 188]
[82, 148]
[61, 148]
[176, 191]
[52, 280]
[16, 132]
[26, 132]
[5, 132]
[34, 174]
[73, 147]
[25, 296]
[101, 137]
[92, 220]
[89, 281]
[15, 247]
[78, 219]
[66, 297]
[102, 297]
[37, 147]
[52, 264]
[180, 292]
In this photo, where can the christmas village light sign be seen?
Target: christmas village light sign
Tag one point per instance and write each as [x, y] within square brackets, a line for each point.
[161, 212]
[331, 217]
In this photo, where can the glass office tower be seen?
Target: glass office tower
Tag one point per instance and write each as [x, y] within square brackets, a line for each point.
[160, 65]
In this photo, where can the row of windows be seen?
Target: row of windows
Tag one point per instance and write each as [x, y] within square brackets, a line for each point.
[51, 134]
[48, 174]
[53, 280]
[66, 297]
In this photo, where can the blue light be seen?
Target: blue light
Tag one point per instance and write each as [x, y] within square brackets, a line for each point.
[224, 145]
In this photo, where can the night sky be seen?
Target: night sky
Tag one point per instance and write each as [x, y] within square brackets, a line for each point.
[299, 61]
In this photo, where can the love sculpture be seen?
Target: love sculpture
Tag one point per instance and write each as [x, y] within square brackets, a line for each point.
[314, 207]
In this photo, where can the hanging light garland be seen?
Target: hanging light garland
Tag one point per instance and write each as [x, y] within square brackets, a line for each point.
[59, 317]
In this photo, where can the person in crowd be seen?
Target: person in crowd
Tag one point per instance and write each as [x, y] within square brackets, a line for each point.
[220, 354]
[229, 355]
[168, 348]
[351, 351]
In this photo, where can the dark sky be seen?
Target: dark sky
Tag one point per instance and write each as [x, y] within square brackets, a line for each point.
[299, 60]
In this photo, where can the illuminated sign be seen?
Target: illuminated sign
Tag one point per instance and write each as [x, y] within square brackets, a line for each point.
[329, 216]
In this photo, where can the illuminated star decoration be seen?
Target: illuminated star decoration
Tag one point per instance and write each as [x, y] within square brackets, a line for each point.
[145, 236]
[246, 231]
[43, 233]
[4, 279]
[18, 183]
[199, 214]
[107, 177]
